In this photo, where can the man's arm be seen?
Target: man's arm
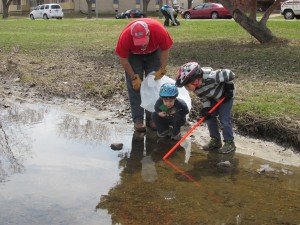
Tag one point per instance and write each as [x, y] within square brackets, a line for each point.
[164, 58]
[127, 67]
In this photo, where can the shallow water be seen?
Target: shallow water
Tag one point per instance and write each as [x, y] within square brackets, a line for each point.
[57, 167]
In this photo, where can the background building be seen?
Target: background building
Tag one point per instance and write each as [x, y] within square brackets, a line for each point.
[102, 6]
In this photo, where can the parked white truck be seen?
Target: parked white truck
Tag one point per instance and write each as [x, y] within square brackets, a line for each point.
[290, 9]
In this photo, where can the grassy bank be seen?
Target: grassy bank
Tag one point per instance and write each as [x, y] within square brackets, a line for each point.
[268, 76]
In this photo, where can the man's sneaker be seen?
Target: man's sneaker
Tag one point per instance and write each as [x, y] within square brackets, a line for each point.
[163, 134]
[228, 147]
[139, 126]
[151, 125]
[213, 144]
[176, 137]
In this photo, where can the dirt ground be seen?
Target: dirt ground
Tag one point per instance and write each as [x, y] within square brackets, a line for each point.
[98, 82]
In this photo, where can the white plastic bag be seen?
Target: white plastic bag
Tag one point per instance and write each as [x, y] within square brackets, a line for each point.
[150, 91]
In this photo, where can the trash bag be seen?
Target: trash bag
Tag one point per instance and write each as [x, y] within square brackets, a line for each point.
[150, 91]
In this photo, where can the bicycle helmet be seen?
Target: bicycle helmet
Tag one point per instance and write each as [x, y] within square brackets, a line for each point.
[168, 90]
[187, 73]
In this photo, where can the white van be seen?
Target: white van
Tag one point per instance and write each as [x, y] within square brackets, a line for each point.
[47, 11]
[290, 9]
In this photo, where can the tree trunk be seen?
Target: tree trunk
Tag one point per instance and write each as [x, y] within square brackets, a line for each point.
[6, 5]
[190, 3]
[258, 30]
[268, 12]
[159, 12]
[89, 4]
[145, 5]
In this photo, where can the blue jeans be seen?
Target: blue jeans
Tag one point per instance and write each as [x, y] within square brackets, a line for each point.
[224, 113]
[141, 65]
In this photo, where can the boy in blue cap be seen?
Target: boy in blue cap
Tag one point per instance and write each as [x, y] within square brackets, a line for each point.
[170, 111]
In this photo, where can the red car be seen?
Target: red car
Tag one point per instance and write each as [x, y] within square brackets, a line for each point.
[208, 10]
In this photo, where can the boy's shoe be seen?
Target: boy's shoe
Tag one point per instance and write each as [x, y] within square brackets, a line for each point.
[213, 144]
[176, 137]
[228, 147]
[151, 125]
[139, 126]
[163, 134]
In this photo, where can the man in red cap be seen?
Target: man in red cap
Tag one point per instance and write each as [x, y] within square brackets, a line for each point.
[143, 47]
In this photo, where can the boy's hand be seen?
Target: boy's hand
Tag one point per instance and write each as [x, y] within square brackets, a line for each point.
[228, 91]
[162, 114]
[228, 94]
[172, 112]
[205, 112]
[136, 82]
[160, 73]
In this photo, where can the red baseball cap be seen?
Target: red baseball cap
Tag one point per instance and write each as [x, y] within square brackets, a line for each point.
[139, 31]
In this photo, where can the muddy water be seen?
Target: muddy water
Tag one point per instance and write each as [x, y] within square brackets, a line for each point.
[57, 167]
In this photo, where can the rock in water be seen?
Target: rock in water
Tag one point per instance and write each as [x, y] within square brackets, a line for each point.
[116, 146]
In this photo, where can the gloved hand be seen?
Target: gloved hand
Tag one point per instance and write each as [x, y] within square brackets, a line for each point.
[228, 91]
[205, 112]
[136, 82]
[160, 73]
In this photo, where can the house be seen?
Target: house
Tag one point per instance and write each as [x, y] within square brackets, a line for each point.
[102, 6]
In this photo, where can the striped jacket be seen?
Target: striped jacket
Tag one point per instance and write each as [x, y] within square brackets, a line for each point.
[211, 89]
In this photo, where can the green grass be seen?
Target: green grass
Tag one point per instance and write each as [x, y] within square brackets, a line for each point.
[220, 43]
[91, 32]
[268, 99]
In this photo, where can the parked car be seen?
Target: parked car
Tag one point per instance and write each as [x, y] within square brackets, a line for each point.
[47, 11]
[290, 9]
[208, 10]
[131, 13]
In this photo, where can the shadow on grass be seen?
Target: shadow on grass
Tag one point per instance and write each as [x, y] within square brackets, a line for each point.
[272, 62]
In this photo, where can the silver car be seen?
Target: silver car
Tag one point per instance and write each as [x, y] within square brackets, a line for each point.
[47, 11]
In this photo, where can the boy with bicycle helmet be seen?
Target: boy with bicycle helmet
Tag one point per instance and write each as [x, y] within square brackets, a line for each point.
[210, 86]
[170, 111]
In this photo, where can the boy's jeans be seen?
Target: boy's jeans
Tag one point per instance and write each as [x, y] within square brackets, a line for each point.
[224, 113]
[141, 64]
[163, 123]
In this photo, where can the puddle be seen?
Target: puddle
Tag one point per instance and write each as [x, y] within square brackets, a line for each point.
[57, 167]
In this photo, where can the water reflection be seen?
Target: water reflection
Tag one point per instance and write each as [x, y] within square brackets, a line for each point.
[9, 164]
[77, 128]
[146, 150]
[14, 142]
[69, 164]
[141, 182]
[61, 179]
[208, 189]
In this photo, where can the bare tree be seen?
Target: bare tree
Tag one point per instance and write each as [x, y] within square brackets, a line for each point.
[159, 11]
[190, 4]
[6, 4]
[145, 5]
[89, 4]
[244, 13]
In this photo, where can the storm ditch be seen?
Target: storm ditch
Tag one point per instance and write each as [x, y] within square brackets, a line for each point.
[100, 81]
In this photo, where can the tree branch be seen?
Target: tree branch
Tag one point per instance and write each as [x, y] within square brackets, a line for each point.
[268, 12]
